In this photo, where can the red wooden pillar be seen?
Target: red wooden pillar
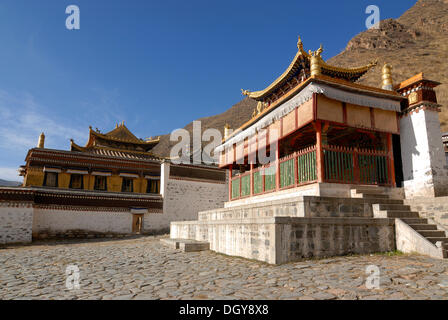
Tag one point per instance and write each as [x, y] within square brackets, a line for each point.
[319, 152]
[390, 150]
[277, 166]
[230, 182]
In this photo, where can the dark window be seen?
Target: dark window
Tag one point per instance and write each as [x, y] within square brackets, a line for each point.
[100, 183]
[76, 181]
[153, 186]
[127, 185]
[51, 179]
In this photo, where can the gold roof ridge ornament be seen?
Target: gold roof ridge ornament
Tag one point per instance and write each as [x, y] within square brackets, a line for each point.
[387, 77]
[315, 61]
[226, 130]
[41, 141]
[301, 61]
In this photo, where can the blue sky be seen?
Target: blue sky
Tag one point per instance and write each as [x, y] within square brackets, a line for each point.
[157, 65]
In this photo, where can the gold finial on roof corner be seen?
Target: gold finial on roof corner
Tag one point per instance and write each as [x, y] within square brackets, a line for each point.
[315, 61]
[387, 77]
[226, 130]
[300, 43]
[41, 142]
[245, 92]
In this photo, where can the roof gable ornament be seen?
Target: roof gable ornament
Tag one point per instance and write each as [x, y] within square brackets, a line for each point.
[317, 65]
[315, 61]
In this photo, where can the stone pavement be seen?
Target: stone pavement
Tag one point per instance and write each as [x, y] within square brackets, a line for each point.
[142, 268]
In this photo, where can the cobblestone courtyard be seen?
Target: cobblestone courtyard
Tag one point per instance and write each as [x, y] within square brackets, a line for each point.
[142, 268]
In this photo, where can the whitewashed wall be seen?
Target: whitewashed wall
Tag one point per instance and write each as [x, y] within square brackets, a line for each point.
[183, 199]
[53, 220]
[423, 156]
[16, 221]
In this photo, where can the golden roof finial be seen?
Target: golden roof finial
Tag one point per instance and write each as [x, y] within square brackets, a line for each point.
[300, 43]
[226, 130]
[387, 77]
[41, 142]
[245, 92]
[315, 61]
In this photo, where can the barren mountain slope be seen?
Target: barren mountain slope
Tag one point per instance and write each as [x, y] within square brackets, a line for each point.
[416, 42]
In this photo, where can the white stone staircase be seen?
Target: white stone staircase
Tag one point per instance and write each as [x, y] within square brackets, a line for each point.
[421, 236]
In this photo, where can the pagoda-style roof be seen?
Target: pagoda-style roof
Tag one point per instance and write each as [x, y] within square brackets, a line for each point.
[119, 140]
[299, 70]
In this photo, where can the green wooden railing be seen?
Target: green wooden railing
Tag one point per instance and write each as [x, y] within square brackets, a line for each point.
[340, 165]
[287, 173]
[269, 178]
[245, 185]
[373, 169]
[258, 181]
[236, 188]
[306, 165]
[357, 166]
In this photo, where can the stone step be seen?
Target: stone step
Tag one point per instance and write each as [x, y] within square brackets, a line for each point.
[186, 245]
[435, 239]
[402, 214]
[400, 207]
[432, 233]
[370, 196]
[413, 221]
[367, 190]
[388, 201]
[423, 226]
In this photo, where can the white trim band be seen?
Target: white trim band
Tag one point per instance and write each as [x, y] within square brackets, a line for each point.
[152, 177]
[102, 174]
[77, 171]
[55, 170]
[129, 175]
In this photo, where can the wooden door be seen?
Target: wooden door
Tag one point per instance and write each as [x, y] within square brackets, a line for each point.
[137, 223]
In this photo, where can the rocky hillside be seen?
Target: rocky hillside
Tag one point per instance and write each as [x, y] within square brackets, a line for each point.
[416, 42]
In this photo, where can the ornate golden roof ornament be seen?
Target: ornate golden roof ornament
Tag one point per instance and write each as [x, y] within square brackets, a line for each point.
[300, 44]
[387, 77]
[259, 109]
[41, 142]
[315, 61]
[245, 92]
[226, 130]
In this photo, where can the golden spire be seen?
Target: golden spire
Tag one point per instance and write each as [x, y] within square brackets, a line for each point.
[226, 130]
[41, 142]
[300, 44]
[387, 77]
[315, 61]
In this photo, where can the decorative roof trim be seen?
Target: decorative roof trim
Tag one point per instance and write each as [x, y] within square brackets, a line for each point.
[305, 95]
[303, 56]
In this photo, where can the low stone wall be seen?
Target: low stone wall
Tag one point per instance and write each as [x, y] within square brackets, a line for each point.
[301, 206]
[283, 239]
[292, 229]
[435, 209]
[324, 237]
[16, 222]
